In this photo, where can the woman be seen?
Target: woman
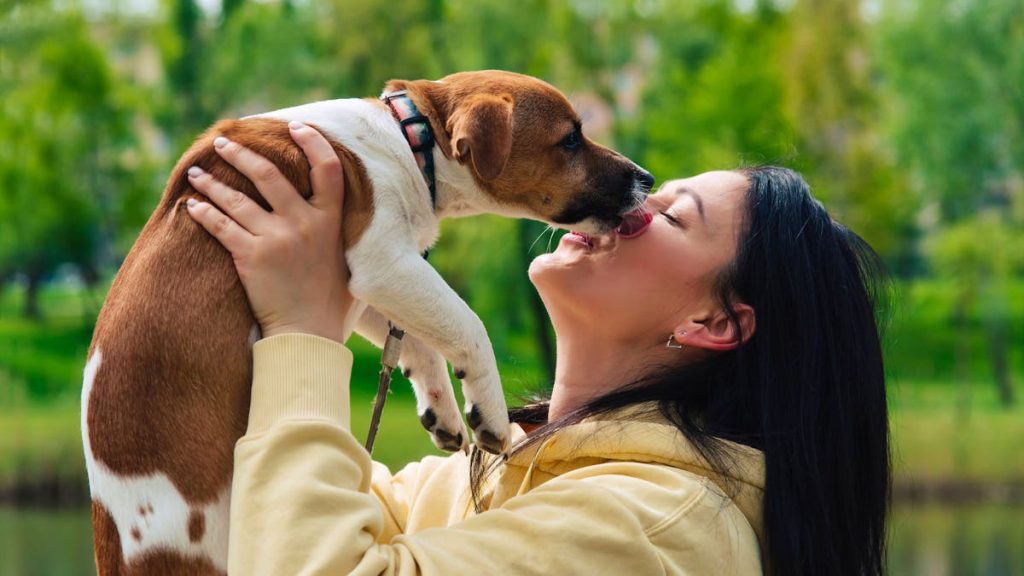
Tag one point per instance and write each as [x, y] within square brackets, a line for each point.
[718, 404]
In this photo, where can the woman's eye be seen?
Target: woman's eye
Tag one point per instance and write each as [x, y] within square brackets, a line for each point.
[572, 141]
[671, 218]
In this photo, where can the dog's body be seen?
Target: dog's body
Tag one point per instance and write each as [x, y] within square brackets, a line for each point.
[166, 390]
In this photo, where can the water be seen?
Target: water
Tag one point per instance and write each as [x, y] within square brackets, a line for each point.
[957, 541]
[39, 542]
[925, 541]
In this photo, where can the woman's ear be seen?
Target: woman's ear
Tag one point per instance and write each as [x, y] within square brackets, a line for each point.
[717, 331]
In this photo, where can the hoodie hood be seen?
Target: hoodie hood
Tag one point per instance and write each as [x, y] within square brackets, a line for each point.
[635, 434]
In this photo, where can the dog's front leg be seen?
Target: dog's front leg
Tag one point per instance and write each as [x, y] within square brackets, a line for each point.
[403, 287]
[428, 372]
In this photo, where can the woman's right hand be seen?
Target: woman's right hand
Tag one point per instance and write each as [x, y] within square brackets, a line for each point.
[290, 261]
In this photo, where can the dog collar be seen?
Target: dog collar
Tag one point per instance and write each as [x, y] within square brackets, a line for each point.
[416, 129]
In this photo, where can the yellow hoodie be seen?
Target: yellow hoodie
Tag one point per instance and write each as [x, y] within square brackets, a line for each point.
[621, 494]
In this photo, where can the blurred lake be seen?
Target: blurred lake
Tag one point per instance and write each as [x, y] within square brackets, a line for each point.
[925, 541]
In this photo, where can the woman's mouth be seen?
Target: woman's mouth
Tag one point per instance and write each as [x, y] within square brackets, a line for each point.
[635, 223]
[581, 238]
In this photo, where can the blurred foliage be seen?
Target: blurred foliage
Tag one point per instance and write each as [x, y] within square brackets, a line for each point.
[906, 117]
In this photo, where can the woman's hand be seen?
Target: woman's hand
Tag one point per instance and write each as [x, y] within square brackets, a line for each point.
[290, 260]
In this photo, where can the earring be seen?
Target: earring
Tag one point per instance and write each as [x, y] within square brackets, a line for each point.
[671, 342]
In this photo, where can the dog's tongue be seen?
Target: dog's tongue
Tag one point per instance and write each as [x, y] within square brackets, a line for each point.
[635, 223]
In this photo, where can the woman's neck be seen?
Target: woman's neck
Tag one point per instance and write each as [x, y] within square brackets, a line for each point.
[587, 368]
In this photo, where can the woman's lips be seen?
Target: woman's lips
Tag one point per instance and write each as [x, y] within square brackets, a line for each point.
[581, 238]
[635, 223]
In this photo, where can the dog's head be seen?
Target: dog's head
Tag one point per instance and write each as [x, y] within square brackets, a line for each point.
[522, 141]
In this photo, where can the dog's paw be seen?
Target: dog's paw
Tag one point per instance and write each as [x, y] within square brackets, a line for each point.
[486, 413]
[449, 436]
[490, 434]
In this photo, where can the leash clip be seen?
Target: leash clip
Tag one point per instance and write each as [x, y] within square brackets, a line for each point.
[388, 360]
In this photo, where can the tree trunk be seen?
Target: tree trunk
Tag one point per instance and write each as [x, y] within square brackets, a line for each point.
[963, 357]
[5, 278]
[90, 280]
[31, 310]
[998, 340]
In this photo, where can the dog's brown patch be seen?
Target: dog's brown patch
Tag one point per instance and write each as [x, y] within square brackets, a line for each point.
[196, 525]
[167, 562]
[106, 541]
[174, 333]
[175, 326]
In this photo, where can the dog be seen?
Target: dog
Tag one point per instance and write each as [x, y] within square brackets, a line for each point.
[167, 381]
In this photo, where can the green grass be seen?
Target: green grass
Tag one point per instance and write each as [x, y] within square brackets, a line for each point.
[42, 444]
[935, 439]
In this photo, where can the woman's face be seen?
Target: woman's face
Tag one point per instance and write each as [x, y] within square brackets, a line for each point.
[640, 288]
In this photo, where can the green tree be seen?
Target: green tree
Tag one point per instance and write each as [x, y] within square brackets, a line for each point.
[715, 96]
[63, 130]
[980, 256]
[262, 57]
[953, 80]
[832, 104]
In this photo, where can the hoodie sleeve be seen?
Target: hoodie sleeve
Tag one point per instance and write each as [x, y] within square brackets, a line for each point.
[304, 502]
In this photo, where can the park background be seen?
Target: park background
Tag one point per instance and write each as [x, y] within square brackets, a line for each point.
[906, 116]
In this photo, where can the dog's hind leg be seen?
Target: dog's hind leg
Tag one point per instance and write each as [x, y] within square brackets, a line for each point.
[428, 372]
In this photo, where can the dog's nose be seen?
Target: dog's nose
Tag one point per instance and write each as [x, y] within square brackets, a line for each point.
[644, 178]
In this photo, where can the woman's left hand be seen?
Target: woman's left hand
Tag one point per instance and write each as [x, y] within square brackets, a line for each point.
[290, 261]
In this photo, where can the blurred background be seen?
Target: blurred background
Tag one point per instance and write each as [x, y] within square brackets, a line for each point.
[906, 116]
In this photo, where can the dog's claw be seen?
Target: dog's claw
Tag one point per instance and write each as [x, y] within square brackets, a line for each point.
[489, 442]
[428, 419]
[443, 438]
[473, 417]
[447, 441]
[484, 435]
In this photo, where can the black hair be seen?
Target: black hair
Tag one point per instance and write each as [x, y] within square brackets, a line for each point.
[807, 388]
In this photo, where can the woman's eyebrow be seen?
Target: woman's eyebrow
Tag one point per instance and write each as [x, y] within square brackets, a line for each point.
[696, 198]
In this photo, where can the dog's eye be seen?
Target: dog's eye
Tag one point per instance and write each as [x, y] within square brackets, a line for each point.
[573, 141]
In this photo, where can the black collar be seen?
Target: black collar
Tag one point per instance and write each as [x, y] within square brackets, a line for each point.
[417, 132]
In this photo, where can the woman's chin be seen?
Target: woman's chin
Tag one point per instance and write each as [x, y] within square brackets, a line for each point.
[557, 272]
[553, 263]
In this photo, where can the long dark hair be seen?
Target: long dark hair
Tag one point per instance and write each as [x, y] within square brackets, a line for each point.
[808, 388]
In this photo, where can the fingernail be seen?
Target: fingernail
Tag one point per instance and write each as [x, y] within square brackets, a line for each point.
[191, 202]
[295, 125]
[195, 172]
[220, 142]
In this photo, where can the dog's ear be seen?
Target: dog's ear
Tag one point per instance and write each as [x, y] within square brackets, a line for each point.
[481, 129]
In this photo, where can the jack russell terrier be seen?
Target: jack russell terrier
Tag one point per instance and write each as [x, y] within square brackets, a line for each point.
[167, 383]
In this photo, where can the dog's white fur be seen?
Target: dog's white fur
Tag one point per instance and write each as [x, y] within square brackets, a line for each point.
[149, 505]
[389, 273]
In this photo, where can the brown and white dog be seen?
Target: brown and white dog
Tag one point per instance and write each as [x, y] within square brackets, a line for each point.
[166, 391]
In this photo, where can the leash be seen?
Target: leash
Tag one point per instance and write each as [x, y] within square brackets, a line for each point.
[417, 132]
[388, 361]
